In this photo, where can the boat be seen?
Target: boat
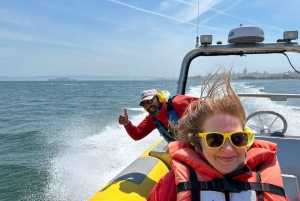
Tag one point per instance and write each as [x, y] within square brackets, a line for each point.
[137, 180]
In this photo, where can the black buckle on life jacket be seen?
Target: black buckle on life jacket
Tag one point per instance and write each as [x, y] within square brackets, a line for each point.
[224, 185]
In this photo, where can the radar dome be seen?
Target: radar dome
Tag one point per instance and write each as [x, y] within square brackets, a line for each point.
[246, 34]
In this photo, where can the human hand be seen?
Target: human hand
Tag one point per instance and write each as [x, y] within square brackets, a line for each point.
[123, 118]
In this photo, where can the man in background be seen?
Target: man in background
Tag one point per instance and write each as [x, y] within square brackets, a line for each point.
[161, 109]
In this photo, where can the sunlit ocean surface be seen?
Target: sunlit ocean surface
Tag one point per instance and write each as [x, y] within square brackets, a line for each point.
[62, 141]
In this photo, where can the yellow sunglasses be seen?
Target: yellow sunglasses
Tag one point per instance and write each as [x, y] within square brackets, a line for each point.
[237, 139]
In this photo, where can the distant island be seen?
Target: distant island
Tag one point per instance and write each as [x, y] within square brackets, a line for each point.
[61, 79]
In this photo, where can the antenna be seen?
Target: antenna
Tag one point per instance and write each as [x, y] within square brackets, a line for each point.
[197, 38]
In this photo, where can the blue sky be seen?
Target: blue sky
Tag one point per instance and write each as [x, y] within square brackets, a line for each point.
[131, 37]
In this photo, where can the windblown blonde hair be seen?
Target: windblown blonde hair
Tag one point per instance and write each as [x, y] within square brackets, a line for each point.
[217, 97]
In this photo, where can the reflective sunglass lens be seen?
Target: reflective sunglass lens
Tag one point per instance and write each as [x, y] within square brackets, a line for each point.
[149, 101]
[145, 103]
[239, 139]
[214, 139]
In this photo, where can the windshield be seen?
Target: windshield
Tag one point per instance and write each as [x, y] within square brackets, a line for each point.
[257, 74]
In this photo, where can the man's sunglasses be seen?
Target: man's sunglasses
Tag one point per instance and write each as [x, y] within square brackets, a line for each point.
[147, 102]
[216, 139]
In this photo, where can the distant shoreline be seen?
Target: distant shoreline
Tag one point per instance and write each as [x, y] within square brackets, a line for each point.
[131, 80]
[81, 78]
[254, 78]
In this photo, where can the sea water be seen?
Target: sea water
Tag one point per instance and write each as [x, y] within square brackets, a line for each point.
[62, 141]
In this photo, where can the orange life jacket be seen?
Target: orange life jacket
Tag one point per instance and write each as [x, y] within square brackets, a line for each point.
[262, 161]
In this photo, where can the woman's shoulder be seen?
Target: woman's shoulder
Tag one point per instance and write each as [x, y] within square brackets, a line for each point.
[265, 145]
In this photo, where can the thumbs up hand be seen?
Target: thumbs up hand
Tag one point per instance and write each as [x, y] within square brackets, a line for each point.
[123, 118]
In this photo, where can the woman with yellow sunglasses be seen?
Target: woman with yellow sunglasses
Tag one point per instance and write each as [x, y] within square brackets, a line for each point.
[216, 156]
